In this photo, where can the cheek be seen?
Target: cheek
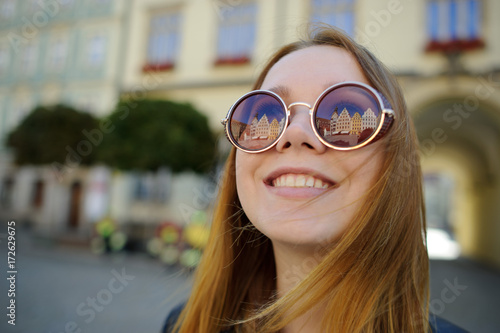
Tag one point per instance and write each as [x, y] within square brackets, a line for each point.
[245, 173]
[366, 176]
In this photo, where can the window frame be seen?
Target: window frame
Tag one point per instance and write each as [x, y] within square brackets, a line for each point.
[96, 58]
[5, 55]
[58, 52]
[8, 9]
[336, 8]
[234, 31]
[445, 32]
[164, 39]
[29, 58]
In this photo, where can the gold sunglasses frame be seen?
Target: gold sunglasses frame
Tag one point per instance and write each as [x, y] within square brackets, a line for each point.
[386, 120]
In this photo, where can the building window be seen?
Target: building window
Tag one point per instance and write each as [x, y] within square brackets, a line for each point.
[57, 56]
[153, 187]
[96, 51]
[29, 58]
[164, 42]
[8, 9]
[4, 60]
[145, 187]
[454, 25]
[338, 13]
[236, 35]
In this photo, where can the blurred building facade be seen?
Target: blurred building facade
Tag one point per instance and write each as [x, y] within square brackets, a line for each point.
[446, 54]
[59, 52]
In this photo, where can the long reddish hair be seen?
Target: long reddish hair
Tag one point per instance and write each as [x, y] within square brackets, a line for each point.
[375, 278]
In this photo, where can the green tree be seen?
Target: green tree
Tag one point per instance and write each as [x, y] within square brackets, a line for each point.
[49, 133]
[148, 134]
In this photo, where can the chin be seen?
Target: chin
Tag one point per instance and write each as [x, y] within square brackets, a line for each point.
[310, 232]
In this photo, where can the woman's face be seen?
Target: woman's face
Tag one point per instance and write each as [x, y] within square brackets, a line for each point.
[274, 187]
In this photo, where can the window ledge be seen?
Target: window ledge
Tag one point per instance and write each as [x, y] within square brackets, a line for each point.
[452, 46]
[160, 67]
[232, 61]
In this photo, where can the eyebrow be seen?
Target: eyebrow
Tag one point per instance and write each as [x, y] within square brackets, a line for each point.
[332, 83]
[282, 91]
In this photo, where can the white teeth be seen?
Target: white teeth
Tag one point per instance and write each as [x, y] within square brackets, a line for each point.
[310, 181]
[299, 180]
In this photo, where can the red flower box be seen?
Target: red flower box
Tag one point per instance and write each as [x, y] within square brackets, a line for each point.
[457, 45]
[232, 61]
[160, 67]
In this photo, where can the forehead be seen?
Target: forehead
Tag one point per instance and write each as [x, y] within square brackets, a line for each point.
[313, 69]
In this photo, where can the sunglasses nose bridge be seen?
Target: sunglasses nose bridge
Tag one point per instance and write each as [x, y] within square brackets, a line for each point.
[308, 106]
[299, 103]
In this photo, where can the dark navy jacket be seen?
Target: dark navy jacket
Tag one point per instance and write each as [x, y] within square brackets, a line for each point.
[438, 325]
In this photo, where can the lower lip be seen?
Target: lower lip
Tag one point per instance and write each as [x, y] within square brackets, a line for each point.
[296, 192]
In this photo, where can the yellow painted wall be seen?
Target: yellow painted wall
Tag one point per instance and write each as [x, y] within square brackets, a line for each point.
[395, 31]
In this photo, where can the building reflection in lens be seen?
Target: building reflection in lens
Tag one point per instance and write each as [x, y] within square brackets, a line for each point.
[347, 117]
[258, 121]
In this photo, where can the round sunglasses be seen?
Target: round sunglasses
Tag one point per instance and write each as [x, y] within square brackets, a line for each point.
[346, 116]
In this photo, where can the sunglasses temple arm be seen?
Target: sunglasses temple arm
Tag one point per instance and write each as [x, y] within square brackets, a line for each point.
[388, 120]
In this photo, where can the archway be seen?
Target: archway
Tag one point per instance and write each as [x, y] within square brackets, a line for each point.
[461, 141]
[74, 205]
[37, 197]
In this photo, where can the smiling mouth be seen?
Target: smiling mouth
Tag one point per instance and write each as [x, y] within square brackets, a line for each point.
[299, 181]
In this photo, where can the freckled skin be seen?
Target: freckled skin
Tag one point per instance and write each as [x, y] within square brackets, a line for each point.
[298, 221]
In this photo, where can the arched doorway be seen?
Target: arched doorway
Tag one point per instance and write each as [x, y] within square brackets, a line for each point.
[37, 196]
[74, 205]
[461, 142]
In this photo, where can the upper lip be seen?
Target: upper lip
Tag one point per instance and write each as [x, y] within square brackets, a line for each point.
[302, 171]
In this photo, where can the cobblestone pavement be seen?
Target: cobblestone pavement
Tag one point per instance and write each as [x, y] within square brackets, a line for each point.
[64, 289]
[467, 294]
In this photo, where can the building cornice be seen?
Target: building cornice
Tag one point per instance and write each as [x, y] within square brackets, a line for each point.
[463, 74]
[198, 84]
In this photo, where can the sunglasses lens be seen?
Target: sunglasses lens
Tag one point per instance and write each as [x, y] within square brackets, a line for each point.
[257, 121]
[347, 116]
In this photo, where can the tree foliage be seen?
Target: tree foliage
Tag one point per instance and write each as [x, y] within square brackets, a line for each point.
[148, 134]
[48, 133]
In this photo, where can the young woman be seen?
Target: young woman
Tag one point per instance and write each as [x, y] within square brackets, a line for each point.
[319, 224]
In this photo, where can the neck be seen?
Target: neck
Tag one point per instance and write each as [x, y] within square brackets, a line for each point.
[293, 264]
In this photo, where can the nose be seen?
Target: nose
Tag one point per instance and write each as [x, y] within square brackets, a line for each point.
[299, 133]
